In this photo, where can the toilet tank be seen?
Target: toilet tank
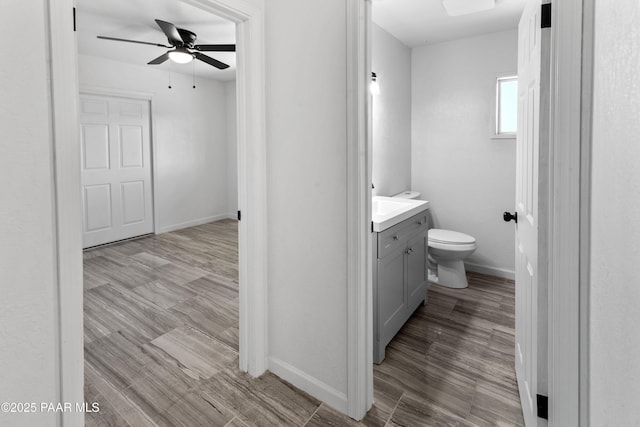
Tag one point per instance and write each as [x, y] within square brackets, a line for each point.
[409, 194]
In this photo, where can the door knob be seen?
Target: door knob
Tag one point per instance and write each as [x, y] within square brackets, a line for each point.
[508, 216]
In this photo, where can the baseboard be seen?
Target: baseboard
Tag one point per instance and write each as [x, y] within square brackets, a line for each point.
[195, 222]
[316, 388]
[492, 271]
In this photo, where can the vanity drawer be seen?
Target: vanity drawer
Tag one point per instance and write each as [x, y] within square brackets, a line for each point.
[397, 236]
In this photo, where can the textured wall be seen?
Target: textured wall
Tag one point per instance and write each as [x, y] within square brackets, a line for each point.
[307, 212]
[29, 337]
[468, 177]
[232, 147]
[615, 220]
[391, 114]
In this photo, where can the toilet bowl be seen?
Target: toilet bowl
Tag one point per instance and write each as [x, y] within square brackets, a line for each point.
[447, 250]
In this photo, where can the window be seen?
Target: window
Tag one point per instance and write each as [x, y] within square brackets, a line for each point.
[506, 107]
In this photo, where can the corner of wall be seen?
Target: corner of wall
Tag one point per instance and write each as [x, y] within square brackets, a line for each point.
[322, 391]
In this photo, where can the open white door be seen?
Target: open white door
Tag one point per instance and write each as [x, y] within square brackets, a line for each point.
[116, 169]
[532, 210]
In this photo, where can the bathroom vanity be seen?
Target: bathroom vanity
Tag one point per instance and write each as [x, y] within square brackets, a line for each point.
[399, 275]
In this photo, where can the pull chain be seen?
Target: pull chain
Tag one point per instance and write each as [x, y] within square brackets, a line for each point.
[194, 73]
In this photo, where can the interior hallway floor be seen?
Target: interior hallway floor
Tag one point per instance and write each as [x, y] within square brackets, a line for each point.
[161, 346]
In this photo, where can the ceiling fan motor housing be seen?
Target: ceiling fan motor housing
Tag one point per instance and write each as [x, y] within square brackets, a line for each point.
[188, 37]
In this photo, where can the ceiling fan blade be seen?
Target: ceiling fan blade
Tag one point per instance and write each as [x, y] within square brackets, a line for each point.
[215, 47]
[132, 41]
[210, 61]
[171, 32]
[160, 59]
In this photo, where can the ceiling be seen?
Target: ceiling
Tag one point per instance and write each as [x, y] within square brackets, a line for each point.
[419, 22]
[134, 19]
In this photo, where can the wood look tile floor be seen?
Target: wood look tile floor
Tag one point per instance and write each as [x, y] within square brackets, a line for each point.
[161, 346]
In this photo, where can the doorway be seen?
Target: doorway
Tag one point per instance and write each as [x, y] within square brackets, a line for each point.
[571, 51]
[251, 188]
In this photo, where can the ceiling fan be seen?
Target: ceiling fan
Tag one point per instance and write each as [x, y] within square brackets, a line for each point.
[183, 47]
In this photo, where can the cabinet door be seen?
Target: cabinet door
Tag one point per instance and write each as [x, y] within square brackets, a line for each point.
[391, 295]
[416, 270]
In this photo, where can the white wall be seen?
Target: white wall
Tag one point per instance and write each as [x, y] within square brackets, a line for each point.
[307, 209]
[468, 177]
[28, 317]
[615, 218]
[232, 147]
[391, 114]
[189, 134]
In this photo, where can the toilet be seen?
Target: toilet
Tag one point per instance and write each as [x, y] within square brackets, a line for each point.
[447, 251]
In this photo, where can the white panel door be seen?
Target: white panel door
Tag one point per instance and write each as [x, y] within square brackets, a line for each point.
[116, 169]
[532, 210]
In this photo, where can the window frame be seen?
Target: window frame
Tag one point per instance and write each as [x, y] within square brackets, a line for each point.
[495, 122]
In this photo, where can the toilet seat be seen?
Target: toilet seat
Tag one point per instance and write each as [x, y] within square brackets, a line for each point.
[452, 247]
[440, 235]
[451, 240]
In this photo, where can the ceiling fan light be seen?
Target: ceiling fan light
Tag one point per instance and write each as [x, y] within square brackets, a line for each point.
[180, 56]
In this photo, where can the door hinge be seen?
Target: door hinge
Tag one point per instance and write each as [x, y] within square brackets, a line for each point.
[543, 406]
[74, 19]
[545, 16]
[372, 226]
[239, 215]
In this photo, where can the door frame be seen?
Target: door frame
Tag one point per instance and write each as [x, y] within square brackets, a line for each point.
[570, 130]
[570, 121]
[252, 194]
[138, 96]
[359, 238]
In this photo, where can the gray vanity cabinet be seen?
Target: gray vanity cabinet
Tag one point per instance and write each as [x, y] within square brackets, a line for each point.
[392, 299]
[417, 271]
[399, 279]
